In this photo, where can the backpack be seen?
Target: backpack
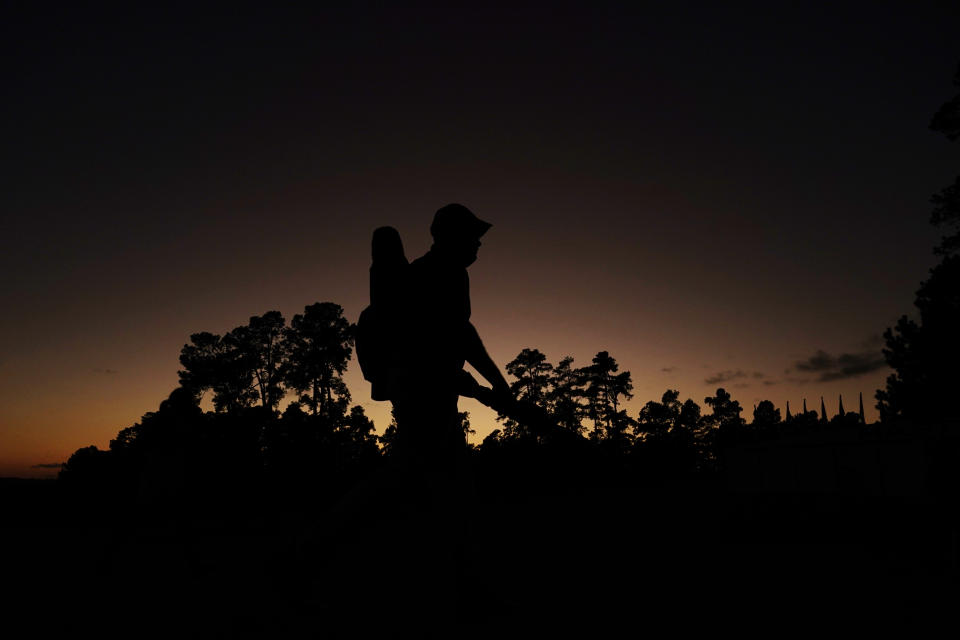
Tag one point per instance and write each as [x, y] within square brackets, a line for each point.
[378, 328]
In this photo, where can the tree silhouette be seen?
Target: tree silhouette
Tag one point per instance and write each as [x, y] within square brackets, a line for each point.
[288, 443]
[261, 343]
[319, 344]
[145, 460]
[563, 398]
[603, 388]
[689, 419]
[88, 467]
[532, 373]
[358, 435]
[688, 430]
[724, 420]
[157, 428]
[218, 364]
[388, 439]
[464, 418]
[532, 384]
[848, 419]
[668, 434]
[766, 418]
[804, 421]
[358, 424]
[946, 211]
[924, 354]
[656, 419]
[240, 367]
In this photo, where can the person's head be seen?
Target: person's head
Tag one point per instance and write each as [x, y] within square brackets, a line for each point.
[456, 232]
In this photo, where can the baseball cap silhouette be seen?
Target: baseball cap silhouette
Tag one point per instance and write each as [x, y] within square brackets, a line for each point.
[456, 221]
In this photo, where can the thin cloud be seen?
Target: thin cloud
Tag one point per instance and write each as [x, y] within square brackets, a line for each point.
[847, 365]
[48, 465]
[668, 369]
[856, 364]
[729, 374]
[725, 376]
[820, 361]
[107, 372]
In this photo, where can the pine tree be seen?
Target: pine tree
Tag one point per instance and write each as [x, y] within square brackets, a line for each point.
[319, 345]
[603, 390]
[566, 391]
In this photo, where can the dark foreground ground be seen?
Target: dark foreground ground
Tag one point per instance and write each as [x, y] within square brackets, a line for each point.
[603, 561]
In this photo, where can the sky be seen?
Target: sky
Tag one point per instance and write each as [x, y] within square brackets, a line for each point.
[730, 196]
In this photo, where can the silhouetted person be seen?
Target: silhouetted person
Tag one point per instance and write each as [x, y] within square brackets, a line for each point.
[413, 343]
[438, 339]
[416, 335]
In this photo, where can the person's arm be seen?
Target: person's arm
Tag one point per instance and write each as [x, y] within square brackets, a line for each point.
[478, 357]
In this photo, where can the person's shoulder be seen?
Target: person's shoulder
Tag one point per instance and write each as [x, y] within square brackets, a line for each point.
[421, 261]
[421, 272]
[421, 265]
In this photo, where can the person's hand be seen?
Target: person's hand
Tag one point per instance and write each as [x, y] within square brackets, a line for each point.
[502, 389]
[486, 396]
[469, 386]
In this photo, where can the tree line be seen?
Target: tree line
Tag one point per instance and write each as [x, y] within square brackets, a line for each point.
[319, 444]
[589, 401]
[262, 361]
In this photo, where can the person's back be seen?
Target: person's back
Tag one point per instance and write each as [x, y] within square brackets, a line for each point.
[439, 300]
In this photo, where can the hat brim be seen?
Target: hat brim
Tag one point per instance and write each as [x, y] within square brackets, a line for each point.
[480, 227]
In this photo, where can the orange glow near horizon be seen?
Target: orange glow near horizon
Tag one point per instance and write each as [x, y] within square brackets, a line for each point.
[82, 406]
